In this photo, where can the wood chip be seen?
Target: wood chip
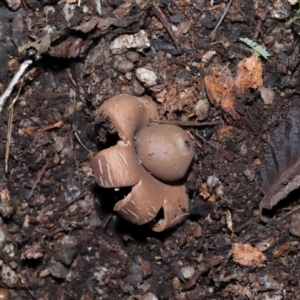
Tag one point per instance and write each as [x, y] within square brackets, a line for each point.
[247, 255]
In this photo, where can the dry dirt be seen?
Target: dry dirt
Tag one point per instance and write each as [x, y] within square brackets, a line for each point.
[59, 235]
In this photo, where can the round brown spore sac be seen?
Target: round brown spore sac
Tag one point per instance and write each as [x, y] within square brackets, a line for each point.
[166, 151]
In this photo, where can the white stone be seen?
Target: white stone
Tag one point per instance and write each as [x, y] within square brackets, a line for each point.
[68, 11]
[202, 109]
[138, 41]
[148, 77]
[267, 95]
[187, 272]
[150, 296]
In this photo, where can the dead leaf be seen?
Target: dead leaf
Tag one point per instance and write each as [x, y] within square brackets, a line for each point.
[71, 47]
[284, 249]
[238, 290]
[105, 23]
[219, 89]
[223, 131]
[247, 255]
[281, 165]
[123, 9]
[249, 74]
[204, 191]
[41, 45]
[29, 129]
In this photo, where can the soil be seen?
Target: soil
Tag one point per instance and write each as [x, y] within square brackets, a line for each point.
[59, 235]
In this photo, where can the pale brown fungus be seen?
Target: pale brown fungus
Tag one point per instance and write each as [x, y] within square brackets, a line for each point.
[166, 151]
[128, 113]
[4, 294]
[120, 166]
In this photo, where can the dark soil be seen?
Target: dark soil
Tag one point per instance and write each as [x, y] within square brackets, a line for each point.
[59, 235]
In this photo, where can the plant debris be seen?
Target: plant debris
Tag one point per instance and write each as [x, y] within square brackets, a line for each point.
[281, 165]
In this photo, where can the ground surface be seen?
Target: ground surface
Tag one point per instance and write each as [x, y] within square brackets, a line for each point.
[59, 237]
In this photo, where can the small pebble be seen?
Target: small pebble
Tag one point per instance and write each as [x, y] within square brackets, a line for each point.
[137, 88]
[123, 65]
[148, 77]
[57, 269]
[184, 27]
[149, 296]
[14, 4]
[8, 276]
[132, 56]
[267, 95]
[202, 109]
[184, 79]
[68, 11]
[136, 275]
[59, 144]
[187, 272]
[69, 249]
[44, 273]
[250, 174]
[2, 239]
[243, 149]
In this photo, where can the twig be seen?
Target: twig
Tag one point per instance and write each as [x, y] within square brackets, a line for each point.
[156, 11]
[193, 139]
[186, 123]
[206, 141]
[39, 176]
[58, 124]
[8, 138]
[13, 82]
[213, 33]
[80, 142]
[9, 128]
[74, 200]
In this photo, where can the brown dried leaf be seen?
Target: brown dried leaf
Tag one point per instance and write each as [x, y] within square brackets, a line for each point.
[105, 23]
[249, 74]
[71, 47]
[29, 129]
[42, 44]
[281, 165]
[124, 9]
[238, 290]
[247, 255]
[223, 131]
[219, 89]
[284, 249]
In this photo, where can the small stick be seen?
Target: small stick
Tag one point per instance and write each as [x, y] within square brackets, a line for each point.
[13, 82]
[8, 139]
[213, 33]
[193, 139]
[163, 19]
[39, 176]
[58, 124]
[80, 142]
[9, 128]
[207, 142]
[185, 123]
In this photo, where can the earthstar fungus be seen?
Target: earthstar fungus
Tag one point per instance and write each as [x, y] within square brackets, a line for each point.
[152, 159]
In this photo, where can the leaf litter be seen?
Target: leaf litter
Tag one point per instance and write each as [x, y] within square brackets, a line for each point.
[281, 167]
